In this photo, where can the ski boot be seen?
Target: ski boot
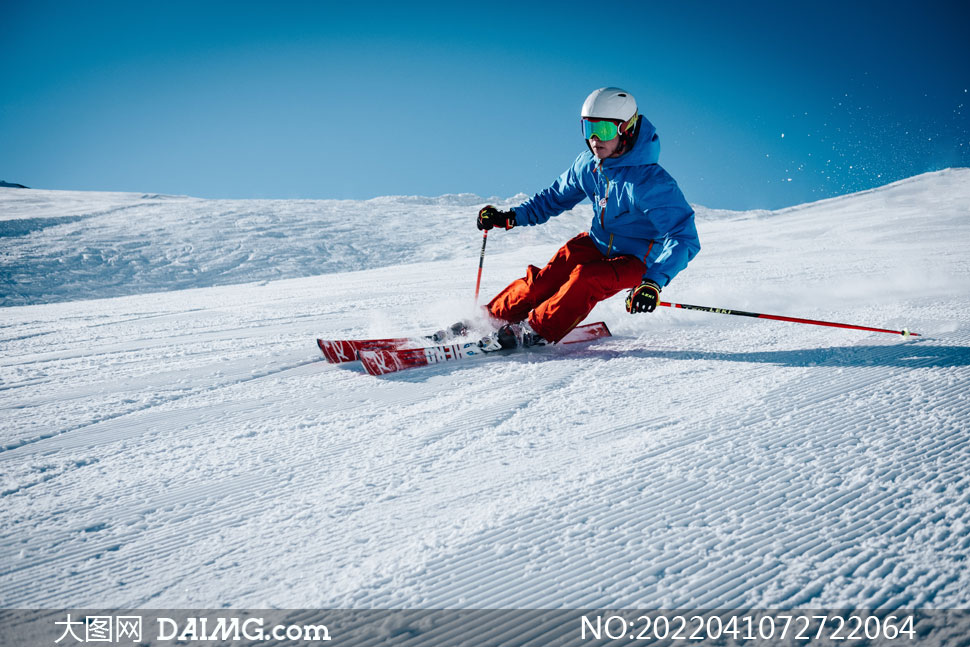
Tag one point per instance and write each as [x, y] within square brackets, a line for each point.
[511, 335]
[455, 330]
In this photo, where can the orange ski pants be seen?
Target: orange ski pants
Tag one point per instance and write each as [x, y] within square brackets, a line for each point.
[558, 297]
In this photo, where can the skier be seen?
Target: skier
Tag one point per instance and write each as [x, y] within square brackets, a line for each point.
[641, 236]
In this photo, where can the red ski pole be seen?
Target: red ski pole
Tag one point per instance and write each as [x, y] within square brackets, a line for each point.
[723, 311]
[481, 262]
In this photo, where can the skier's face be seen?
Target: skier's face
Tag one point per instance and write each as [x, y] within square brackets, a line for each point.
[602, 149]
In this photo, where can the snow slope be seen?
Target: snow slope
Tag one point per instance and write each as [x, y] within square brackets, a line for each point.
[188, 447]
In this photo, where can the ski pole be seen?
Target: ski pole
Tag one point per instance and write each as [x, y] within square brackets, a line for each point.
[481, 262]
[758, 315]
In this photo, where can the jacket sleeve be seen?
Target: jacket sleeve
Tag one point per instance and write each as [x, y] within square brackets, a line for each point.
[564, 194]
[677, 248]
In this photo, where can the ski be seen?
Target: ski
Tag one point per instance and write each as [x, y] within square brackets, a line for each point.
[338, 351]
[377, 361]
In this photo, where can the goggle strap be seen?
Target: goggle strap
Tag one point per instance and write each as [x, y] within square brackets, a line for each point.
[628, 125]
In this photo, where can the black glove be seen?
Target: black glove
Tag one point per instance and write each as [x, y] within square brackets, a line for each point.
[489, 217]
[643, 298]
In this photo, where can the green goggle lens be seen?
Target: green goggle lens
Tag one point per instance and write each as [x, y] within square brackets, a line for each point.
[604, 130]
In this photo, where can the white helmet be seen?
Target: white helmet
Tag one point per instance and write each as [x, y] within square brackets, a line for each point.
[610, 103]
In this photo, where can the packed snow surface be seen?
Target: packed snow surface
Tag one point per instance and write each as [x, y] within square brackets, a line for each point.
[171, 437]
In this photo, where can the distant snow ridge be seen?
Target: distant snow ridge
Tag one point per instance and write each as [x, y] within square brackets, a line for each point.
[64, 246]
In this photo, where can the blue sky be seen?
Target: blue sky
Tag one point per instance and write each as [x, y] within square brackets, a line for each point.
[758, 104]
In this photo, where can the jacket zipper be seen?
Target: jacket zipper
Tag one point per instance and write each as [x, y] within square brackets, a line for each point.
[606, 195]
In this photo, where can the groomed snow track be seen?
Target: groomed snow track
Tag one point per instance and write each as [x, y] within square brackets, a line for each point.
[192, 449]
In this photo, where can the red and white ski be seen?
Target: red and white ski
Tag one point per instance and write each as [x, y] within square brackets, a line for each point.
[338, 351]
[378, 361]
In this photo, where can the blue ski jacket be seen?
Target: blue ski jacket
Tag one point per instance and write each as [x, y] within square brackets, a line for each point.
[638, 209]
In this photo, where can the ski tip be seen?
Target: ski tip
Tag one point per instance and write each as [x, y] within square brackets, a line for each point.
[586, 332]
[337, 352]
[377, 362]
[322, 345]
[367, 361]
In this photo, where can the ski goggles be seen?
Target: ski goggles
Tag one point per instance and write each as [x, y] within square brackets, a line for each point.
[604, 129]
